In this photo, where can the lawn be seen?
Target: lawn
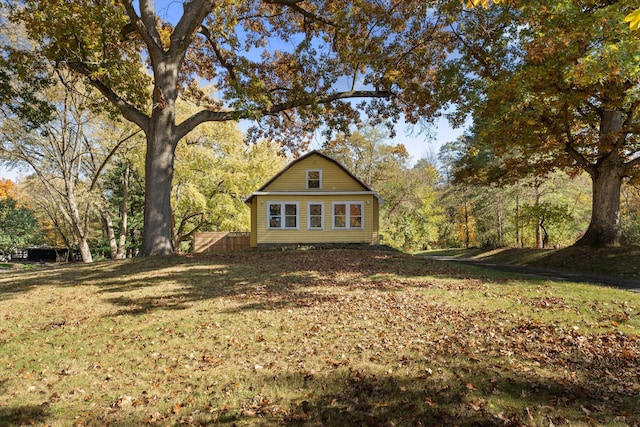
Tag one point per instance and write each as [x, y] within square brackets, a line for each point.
[318, 338]
[621, 261]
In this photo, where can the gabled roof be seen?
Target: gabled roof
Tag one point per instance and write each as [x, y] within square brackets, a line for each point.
[365, 187]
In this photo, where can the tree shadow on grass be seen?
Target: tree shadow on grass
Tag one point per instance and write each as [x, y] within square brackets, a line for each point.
[343, 396]
[21, 414]
[349, 397]
[198, 277]
[270, 280]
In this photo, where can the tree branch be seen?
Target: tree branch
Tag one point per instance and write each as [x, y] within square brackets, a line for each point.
[145, 26]
[569, 146]
[631, 164]
[216, 49]
[184, 222]
[129, 112]
[108, 158]
[627, 126]
[219, 116]
[294, 5]
[194, 13]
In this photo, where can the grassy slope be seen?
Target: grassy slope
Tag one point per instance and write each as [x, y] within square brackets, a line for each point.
[317, 338]
[617, 262]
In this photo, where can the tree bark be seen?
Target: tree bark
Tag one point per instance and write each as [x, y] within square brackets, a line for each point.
[157, 205]
[604, 228]
[124, 214]
[519, 243]
[606, 177]
[540, 219]
[107, 223]
[500, 215]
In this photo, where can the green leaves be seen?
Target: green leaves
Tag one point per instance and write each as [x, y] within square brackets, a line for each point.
[18, 226]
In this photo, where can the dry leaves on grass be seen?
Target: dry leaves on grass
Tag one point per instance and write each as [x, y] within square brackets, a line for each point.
[325, 338]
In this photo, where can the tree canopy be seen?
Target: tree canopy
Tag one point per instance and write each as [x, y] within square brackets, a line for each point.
[555, 85]
[288, 65]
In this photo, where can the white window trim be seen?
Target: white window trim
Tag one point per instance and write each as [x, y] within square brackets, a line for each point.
[283, 219]
[309, 216]
[306, 175]
[347, 215]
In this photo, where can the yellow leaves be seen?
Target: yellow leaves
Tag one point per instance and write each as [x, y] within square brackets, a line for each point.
[483, 3]
[393, 75]
[634, 20]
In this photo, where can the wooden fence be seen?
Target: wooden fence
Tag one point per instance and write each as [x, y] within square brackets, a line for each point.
[227, 241]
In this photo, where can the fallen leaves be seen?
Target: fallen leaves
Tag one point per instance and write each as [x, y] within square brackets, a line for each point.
[324, 337]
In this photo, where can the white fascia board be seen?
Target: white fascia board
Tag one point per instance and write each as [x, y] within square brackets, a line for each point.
[318, 193]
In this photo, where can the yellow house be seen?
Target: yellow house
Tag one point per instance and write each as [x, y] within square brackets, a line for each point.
[314, 200]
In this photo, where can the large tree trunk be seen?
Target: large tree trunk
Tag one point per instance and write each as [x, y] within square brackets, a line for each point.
[604, 228]
[161, 145]
[157, 205]
[606, 177]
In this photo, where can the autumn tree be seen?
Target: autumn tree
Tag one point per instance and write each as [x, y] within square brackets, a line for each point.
[7, 189]
[409, 216]
[67, 154]
[511, 206]
[215, 172]
[18, 225]
[566, 97]
[288, 65]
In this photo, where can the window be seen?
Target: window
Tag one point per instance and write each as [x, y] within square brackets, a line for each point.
[348, 215]
[315, 216]
[314, 179]
[282, 215]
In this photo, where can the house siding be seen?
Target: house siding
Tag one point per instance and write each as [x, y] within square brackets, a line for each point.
[334, 178]
[254, 223]
[302, 235]
[290, 186]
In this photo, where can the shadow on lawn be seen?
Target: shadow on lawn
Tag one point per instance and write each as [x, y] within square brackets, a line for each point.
[271, 280]
[346, 397]
[21, 415]
[278, 277]
[459, 395]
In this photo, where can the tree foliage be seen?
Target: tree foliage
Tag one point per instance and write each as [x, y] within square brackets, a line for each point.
[288, 65]
[215, 172]
[18, 226]
[555, 85]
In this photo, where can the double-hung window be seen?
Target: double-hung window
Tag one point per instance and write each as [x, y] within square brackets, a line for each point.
[282, 215]
[315, 216]
[348, 215]
[314, 178]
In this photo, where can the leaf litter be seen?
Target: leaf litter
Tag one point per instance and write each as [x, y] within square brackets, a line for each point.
[321, 338]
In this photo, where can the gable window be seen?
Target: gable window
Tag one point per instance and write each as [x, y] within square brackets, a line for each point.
[348, 215]
[282, 215]
[315, 216]
[314, 179]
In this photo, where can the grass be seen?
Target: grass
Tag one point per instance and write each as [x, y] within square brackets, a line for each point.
[616, 262]
[336, 337]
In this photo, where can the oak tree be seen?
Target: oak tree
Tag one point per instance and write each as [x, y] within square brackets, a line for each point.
[567, 99]
[289, 65]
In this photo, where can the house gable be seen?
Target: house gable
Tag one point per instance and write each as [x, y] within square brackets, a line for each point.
[314, 199]
[333, 176]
